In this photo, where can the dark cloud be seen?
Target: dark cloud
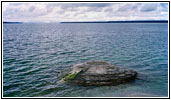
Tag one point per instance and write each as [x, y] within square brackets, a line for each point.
[94, 9]
[108, 9]
[73, 5]
[32, 8]
[149, 7]
[128, 7]
[88, 4]
[97, 4]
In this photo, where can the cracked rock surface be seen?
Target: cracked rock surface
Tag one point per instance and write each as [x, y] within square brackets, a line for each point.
[101, 73]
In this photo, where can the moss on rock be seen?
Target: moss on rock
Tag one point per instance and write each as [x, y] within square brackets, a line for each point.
[70, 76]
[98, 73]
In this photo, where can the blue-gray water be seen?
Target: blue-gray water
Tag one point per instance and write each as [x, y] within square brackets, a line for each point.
[34, 54]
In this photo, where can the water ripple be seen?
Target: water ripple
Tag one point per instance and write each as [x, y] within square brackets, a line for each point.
[35, 55]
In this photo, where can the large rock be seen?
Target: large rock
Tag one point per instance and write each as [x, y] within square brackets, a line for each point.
[99, 73]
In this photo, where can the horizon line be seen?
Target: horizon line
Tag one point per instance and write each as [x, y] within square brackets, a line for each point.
[124, 21]
[120, 21]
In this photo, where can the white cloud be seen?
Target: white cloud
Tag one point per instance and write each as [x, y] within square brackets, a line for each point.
[84, 11]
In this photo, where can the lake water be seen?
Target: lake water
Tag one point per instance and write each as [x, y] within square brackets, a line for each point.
[35, 53]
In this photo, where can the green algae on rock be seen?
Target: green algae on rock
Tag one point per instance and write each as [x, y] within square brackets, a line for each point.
[99, 73]
[70, 76]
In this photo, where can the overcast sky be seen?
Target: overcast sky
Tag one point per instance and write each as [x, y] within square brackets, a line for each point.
[56, 12]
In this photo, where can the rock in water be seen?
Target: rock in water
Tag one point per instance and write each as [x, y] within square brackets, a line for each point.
[99, 73]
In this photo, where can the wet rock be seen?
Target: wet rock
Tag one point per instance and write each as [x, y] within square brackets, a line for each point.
[99, 73]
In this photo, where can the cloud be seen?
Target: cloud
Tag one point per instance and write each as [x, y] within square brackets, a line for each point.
[83, 11]
[149, 7]
[164, 7]
[69, 5]
[129, 7]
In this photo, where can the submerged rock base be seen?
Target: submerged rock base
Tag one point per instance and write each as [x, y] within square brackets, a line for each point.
[99, 73]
